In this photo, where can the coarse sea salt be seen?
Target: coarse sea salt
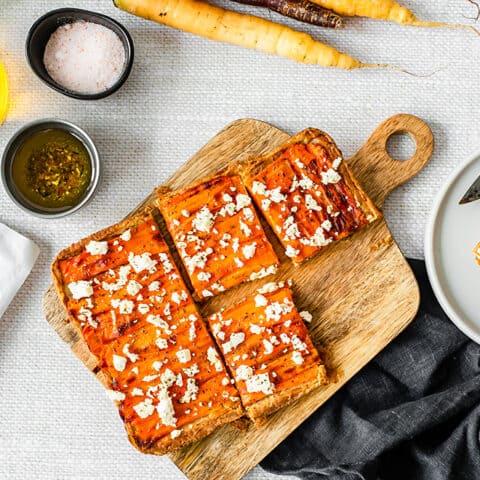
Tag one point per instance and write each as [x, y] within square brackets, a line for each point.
[84, 57]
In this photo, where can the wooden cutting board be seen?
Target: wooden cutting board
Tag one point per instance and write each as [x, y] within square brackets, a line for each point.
[361, 291]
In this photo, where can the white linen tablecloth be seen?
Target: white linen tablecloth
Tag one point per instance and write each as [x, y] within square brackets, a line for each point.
[55, 420]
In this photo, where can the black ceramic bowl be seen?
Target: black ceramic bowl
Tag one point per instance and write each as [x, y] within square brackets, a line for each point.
[43, 28]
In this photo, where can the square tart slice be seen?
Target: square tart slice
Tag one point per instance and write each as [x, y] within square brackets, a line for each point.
[267, 349]
[127, 300]
[307, 194]
[218, 235]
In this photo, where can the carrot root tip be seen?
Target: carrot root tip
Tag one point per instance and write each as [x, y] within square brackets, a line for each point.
[422, 23]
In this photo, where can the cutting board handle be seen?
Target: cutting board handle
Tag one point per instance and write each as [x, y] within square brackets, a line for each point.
[377, 171]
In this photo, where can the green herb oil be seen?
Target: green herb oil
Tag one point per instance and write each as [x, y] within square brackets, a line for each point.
[52, 169]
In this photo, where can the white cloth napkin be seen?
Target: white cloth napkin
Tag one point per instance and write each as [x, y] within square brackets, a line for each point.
[17, 258]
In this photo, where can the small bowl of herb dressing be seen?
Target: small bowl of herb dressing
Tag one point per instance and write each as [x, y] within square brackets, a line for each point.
[50, 168]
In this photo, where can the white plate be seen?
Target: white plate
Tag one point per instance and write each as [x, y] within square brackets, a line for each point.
[452, 232]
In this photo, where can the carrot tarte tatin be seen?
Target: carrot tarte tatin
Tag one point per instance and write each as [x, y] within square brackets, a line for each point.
[308, 194]
[217, 234]
[128, 301]
[267, 349]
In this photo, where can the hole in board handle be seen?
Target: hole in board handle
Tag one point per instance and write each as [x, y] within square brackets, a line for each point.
[401, 146]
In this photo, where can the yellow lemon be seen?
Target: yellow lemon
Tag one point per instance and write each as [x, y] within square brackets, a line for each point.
[3, 93]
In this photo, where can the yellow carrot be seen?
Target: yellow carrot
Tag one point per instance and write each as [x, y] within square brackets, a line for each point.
[384, 10]
[216, 23]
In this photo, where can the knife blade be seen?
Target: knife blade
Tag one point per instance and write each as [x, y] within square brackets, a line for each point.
[472, 194]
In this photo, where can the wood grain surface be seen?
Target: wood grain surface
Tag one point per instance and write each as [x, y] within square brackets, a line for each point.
[360, 291]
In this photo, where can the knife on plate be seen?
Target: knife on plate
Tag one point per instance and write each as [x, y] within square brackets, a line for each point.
[473, 193]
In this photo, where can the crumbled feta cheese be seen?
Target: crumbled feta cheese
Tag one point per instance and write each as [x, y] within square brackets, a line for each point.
[115, 395]
[256, 329]
[238, 262]
[298, 344]
[126, 235]
[191, 371]
[144, 409]
[154, 286]
[165, 409]
[133, 287]
[218, 286]
[168, 378]
[242, 201]
[175, 433]
[97, 248]
[260, 300]
[125, 307]
[249, 251]
[167, 264]
[268, 347]
[159, 322]
[235, 340]
[85, 315]
[291, 252]
[275, 310]
[327, 225]
[119, 363]
[258, 188]
[137, 392]
[123, 272]
[266, 204]
[276, 196]
[198, 260]
[306, 316]
[179, 297]
[330, 176]
[248, 214]
[191, 392]
[157, 365]
[81, 289]
[245, 229]
[260, 383]
[185, 213]
[297, 357]
[133, 357]
[312, 204]
[235, 244]
[243, 372]
[291, 228]
[143, 308]
[317, 240]
[270, 287]
[184, 355]
[306, 183]
[204, 276]
[142, 262]
[264, 272]
[161, 343]
[214, 359]
[203, 220]
[336, 163]
[285, 338]
[192, 334]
